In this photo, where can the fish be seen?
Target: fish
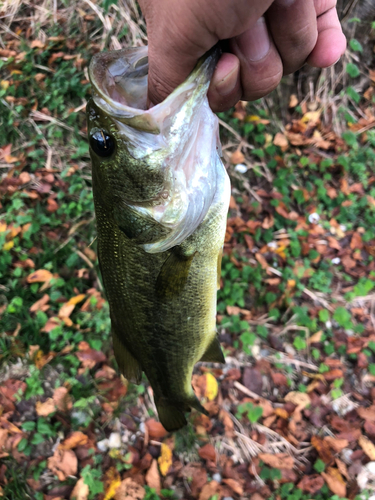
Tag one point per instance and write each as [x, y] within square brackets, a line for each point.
[161, 196]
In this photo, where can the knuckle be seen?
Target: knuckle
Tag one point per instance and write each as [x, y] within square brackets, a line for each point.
[257, 89]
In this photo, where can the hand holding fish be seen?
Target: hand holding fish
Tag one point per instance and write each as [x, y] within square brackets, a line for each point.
[264, 39]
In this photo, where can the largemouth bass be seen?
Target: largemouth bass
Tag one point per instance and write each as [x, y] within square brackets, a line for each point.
[161, 196]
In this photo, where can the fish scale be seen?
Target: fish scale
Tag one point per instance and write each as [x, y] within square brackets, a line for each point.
[162, 303]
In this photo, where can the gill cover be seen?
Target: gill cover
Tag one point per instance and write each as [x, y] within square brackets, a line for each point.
[180, 135]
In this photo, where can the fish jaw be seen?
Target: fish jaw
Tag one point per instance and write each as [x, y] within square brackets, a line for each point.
[178, 136]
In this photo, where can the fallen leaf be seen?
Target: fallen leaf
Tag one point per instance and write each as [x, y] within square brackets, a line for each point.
[41, 304]
[207, 452]
[300, 399]
[237, 157]
[77, 438]
[62, 399]
[311, 484]
[46, 408]
[281, 141]
[336, 444]
[80, 491]
[113, 482]
[165, 459]
[63, 463]
[335, 482]
[153, 477]
[90, 357]
[234, 485]
[278, 460]
[155, 429]
[209, 490]
[322, 448]
[211, 387]
[40, 276]
[367, 446]
[130, 490]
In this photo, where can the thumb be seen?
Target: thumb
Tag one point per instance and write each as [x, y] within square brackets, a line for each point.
[175, 42]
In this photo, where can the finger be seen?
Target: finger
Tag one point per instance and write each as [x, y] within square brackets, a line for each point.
[225, 88]
[331, 42]
[294, 31]
[261, 65]
[179, 32]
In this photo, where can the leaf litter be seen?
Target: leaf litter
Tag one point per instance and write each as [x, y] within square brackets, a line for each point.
[294, 405]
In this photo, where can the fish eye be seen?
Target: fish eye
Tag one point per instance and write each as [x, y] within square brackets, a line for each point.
[102, 143]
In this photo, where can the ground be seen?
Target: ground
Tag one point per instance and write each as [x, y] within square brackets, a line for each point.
[292, 413]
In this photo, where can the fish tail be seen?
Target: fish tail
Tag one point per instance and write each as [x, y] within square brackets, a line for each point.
[171, 417]
[171, 414]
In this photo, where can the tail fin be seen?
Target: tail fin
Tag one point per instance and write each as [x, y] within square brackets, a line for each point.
[172, 415]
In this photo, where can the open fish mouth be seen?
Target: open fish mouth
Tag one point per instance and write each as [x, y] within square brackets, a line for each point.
[179, 135]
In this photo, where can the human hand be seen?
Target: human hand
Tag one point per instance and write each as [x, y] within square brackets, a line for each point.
[264, 39]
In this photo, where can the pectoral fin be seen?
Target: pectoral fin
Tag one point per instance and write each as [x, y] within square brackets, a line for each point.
[127, 363]
[214, 354]
[173, 274]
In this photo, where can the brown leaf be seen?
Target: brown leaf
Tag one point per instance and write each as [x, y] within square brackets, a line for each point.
[209, 490]
[62, 399]
[50, 325]
[37, 44]
[46, 408]
[77, 438]
[356, 242]
[278, 460]
[281, 141]
[155, 429]
[90, 357]
[262, 261]
[207, 452]
[300, 399]
[322, 448]
[234, 485]
[335, 482]
[63, 463]
[367, 413]
[40, 276]
[80, 491]
[311, 484]
[153, 477]
[129, 490]
[41, 304]
[237, 157]
[336, 444]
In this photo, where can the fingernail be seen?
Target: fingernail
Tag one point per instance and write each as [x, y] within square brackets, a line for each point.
[256, 43]
[227, 83]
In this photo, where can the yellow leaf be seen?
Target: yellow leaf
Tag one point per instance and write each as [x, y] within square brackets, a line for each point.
[165, 459]
[367, 446]
[211, 387]
[16, 72]
[114, 481]
[3, 227]
[8, 246]
[4, 84]
[252, 118]
[77, 299]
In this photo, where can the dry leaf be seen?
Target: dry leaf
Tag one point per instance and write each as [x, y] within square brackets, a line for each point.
[336, 444]
[165, 459]
[322, 448]
[155, 429]
[46, 408]
[211, 387]
[207, 452]
[208, 490]
[62, 399]
[129, 490]
[153, 477]
[300, 399]
[367, 446]
[278, 460]
[80, 491]
[335, 482]
[41, 304]
[113, 482]
[63, 463]
[281, 141]
[40, 276]
[74, 440]
[237, 157]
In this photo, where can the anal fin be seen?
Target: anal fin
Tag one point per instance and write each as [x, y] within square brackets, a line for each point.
[128, 365]
[214, 354]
